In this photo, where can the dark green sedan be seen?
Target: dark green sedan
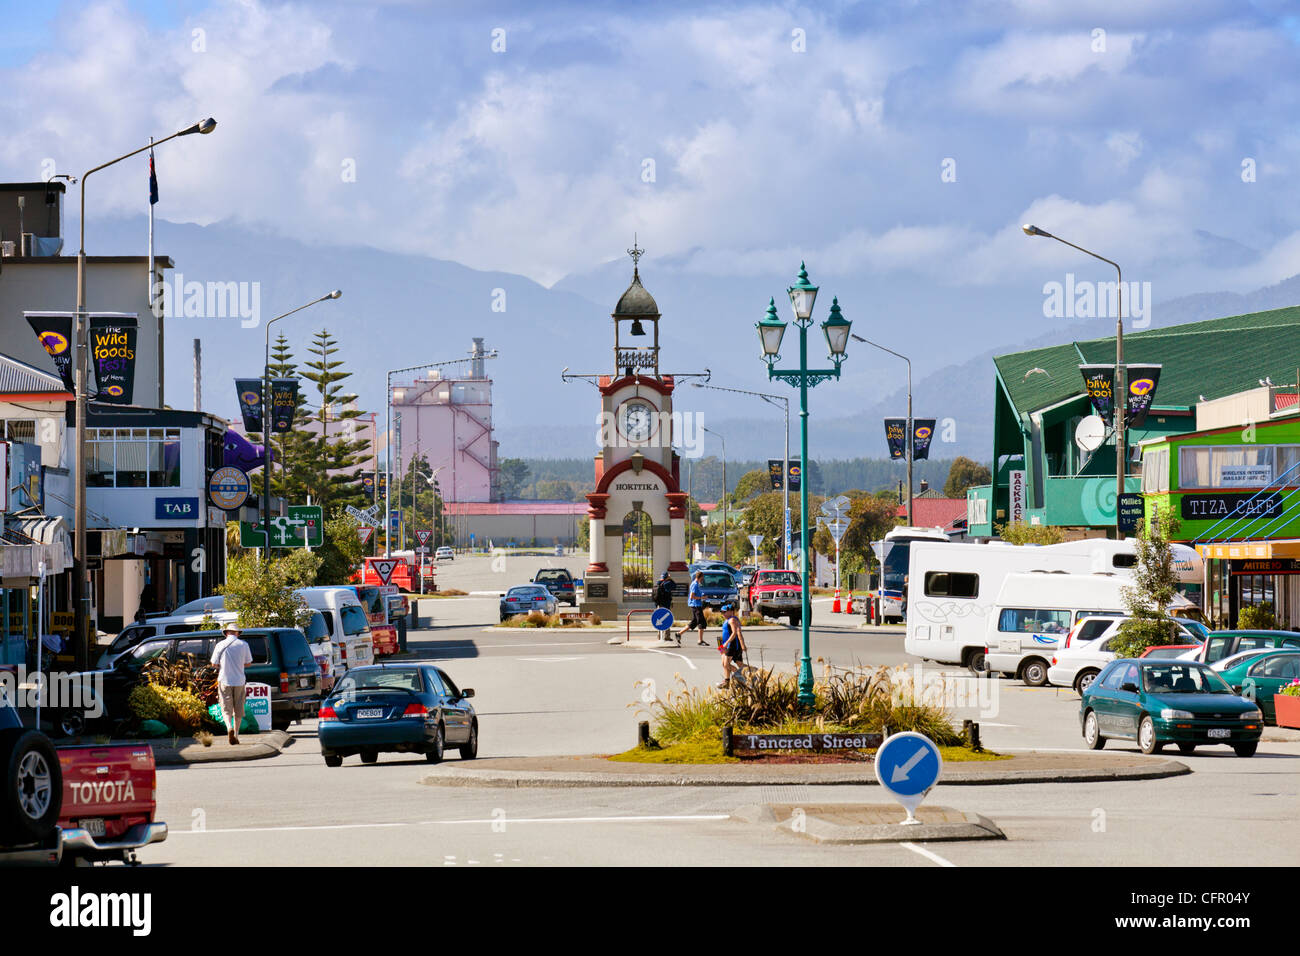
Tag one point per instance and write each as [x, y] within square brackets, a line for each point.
[1160, 701]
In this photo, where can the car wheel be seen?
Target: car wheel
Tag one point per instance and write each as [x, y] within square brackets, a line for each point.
[1246, 749]
[33, 786]
[1092, 732]
[1084, 680]
[1147, 736]
[796, 620]
[281, 723]
[370, 756]
[333, 760]
[71, 723]
[470, 750]
[1034, 673]
[1187, 749]
[434, 753]
[977, 664]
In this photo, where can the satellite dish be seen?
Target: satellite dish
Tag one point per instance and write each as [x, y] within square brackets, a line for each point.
[1091, 433]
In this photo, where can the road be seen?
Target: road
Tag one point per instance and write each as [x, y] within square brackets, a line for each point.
[569, 692]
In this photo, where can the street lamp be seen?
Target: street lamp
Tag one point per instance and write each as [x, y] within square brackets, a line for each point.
[772, 400]
[81, 610]
[836, 329]
[724, 491]
[910, 425]
[266, 419]
[1120, 402]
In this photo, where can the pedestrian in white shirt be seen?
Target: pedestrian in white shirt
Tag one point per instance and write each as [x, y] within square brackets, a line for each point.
[229, 658]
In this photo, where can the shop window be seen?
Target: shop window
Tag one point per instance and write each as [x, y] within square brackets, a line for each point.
[133, 458]
[1232, 466]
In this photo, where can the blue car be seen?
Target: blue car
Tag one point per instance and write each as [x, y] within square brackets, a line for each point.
[402, 708]
[719, 588]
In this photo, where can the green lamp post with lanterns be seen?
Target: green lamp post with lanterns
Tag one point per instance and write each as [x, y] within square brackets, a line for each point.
[770, 332]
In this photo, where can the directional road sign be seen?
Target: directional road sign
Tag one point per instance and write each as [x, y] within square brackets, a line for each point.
[835, 506]
[383, 568]
[908, 765]
[364, 532]
[662, 619]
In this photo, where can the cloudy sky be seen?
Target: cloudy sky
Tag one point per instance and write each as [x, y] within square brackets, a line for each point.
[875, 138]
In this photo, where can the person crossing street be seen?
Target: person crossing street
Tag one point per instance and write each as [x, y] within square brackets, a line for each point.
[695, 601]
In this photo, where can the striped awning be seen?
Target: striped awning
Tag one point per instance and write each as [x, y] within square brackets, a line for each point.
[46, 537]
[1283, 548]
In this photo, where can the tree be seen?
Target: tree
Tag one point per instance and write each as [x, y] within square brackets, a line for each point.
[261, 591]
[1155, 585]
[342, 552]
[512, 476]
[964, 474]
[555, 490]
[330, 479]
[1017, 532]
[420, 502]
[870, 519]
[751, 483]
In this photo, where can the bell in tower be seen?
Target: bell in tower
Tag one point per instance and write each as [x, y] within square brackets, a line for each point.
[636, 307]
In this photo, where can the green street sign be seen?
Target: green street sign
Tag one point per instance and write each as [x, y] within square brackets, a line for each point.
[288, 531]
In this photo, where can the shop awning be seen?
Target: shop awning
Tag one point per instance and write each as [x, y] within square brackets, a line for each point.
[1282, 548]
[32, 539]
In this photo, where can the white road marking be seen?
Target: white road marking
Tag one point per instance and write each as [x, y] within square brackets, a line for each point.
[539, 644]
[549, 660]
[654, 650]
[664, 818]
[932, 857]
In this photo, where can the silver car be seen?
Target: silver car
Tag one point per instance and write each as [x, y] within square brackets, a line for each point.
[528, 597]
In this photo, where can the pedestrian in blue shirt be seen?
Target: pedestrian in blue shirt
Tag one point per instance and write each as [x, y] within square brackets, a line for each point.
[695, 601]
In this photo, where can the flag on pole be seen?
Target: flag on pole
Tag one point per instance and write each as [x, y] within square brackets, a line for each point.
[153, 201]
[153, 181]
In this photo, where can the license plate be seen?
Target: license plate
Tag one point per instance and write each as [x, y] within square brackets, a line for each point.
[370, 713]
[93, 825]
[1218, 733]
[304, 681]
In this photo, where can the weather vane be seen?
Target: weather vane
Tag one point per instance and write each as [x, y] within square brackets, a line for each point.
[635, 253]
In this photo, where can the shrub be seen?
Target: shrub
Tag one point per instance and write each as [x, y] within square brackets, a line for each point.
[1259, 617]
[1292, 689]
[180, 710]
[187, 673]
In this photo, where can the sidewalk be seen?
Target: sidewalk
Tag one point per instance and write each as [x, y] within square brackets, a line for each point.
[595, 771]
[172, 751]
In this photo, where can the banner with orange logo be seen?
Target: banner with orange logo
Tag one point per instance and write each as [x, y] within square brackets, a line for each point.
[1142, 382]
[922, 435]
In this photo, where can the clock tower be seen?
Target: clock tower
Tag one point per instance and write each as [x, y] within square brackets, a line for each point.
[637, 512]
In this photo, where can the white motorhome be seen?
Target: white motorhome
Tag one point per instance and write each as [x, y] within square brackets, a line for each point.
[953, 586]
[1035, 611]
[893, 553]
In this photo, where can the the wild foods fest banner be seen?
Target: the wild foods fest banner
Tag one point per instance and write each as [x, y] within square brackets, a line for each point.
[54, 332]
[1099, 380]
[112, 356]
[1142, 382]
[284, 401]
[896, 436]
[249, 391]
[922, 435]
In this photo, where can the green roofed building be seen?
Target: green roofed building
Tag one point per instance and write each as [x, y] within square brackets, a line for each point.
[1039, 400]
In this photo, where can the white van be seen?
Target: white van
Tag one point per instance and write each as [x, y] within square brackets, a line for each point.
[952, 587]
[347, 623]
[1034, 612]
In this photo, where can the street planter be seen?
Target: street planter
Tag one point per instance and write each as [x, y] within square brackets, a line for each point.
[1287, 710]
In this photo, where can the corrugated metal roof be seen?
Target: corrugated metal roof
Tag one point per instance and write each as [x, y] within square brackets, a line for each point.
[934, 512]
[515, 507]
[18, 377]
[1213, 358]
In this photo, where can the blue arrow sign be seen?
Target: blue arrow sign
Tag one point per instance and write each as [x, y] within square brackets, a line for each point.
[908, 764]
[662, 619]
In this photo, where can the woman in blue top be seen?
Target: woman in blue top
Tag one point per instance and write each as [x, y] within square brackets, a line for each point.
[732, 646]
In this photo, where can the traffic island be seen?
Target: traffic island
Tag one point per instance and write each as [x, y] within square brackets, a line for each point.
[601, 771]
[173, 751]
[849, 823]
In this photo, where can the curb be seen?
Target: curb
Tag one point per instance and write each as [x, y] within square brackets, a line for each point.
[780, 775]
[268, 745]
[780, 817]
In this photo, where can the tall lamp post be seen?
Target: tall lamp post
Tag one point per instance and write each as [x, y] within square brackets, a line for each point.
[724, 491]
[266, 419]
[770, 331]
[785, 475]
[1120, 402]
[81, 610]
[910, 425]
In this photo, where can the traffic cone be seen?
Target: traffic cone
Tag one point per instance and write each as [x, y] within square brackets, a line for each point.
[835, 608]
[848, 608]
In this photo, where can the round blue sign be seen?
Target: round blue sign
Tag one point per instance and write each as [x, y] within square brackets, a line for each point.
[662, 619]
[908, 764]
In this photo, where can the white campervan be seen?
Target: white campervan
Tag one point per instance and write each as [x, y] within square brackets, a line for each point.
[346, 620]
[953, 586]
[1034, 612]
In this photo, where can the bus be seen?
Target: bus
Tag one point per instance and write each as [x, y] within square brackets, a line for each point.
[894, 553]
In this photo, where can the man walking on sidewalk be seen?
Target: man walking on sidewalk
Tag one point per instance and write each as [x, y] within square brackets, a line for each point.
[229, 658]
[695, 601]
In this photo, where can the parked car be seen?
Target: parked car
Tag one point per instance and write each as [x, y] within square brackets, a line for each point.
[718, 588]
[560, 583]
[444, 553]
[776, 594]
[404, 708]
[1223, 644]
[92, 803]
[528, 597]
[1086, 650]
[1260, 676]
[714, 565]
[747, 574]
[1156, 702]
[1170, 650]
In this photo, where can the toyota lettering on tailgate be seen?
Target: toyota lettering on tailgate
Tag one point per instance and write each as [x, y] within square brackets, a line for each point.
[102, 791]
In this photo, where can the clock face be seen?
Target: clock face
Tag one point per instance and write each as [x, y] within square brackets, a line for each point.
[636, 420]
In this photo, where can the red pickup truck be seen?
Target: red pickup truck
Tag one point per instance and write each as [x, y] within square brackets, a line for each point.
[73, 804]
[775, 594]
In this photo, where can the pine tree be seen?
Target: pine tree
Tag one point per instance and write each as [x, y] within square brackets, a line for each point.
[337, 452]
